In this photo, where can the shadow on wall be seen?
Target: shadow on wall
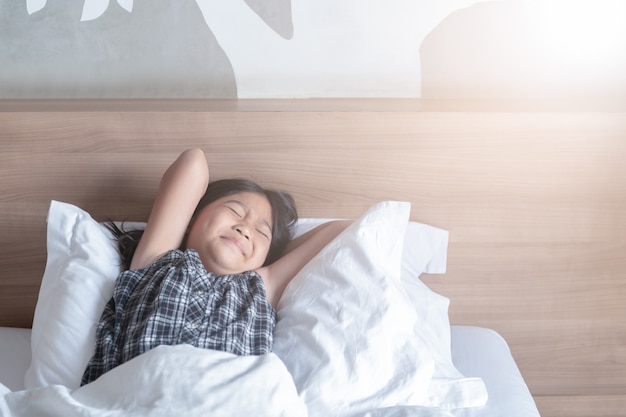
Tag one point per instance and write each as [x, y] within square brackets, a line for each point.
[164, 51]
[491, 50]
[523, 50]
[276, 14]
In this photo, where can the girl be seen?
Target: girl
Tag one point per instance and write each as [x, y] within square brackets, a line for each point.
[208, 270]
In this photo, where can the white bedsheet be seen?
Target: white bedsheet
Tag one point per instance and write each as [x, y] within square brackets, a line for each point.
[15, 356]
[476, 352]
[483, 352]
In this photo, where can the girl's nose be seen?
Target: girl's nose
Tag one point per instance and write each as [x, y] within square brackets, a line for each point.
[243, 231]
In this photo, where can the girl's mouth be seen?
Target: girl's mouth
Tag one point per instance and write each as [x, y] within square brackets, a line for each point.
[235, 243]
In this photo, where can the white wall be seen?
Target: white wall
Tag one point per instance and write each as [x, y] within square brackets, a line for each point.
[313, 48]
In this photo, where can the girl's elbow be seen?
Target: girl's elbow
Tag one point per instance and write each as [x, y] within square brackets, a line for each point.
[197, 160]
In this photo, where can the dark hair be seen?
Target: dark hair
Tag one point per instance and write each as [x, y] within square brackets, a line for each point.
[284, 217]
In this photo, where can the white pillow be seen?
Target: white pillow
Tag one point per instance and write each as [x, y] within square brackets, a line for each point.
[425, 250]
[345, 330]
[425, 247]
[82, 265]
[357, 276]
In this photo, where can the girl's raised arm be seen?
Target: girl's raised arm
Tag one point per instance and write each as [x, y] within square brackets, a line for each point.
[182, 186]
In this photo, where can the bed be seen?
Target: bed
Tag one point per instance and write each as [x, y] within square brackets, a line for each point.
[444, 177]
[358, 334]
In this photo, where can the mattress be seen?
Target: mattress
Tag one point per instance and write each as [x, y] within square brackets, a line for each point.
[484, 353]
[476, 352]
[14, 356]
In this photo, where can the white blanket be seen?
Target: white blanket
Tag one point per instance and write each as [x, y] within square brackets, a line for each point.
[170, 381]
[181, 381]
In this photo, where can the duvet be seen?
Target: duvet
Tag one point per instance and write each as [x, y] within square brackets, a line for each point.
[181, 381]
[170, 381]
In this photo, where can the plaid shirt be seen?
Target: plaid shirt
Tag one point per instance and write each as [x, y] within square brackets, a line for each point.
[176, 301]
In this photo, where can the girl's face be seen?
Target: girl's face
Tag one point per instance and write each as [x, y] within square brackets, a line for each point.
[233, 234]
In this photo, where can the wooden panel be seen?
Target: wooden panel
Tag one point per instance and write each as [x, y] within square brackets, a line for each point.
[534, 202]
[582, 406]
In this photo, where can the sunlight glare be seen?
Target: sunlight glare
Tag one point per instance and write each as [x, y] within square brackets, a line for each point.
[582, 33]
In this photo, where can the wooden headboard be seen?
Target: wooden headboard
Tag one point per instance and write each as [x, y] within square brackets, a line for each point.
[534, 199]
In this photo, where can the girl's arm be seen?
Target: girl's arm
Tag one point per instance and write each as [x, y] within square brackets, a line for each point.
[182, 186]
[298, 253]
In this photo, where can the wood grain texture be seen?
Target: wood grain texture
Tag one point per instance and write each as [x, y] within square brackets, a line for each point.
[582, 406]
[535, 203]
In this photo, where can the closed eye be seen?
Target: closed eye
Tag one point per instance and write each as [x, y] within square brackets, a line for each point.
[235, 212]
[264, 234]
